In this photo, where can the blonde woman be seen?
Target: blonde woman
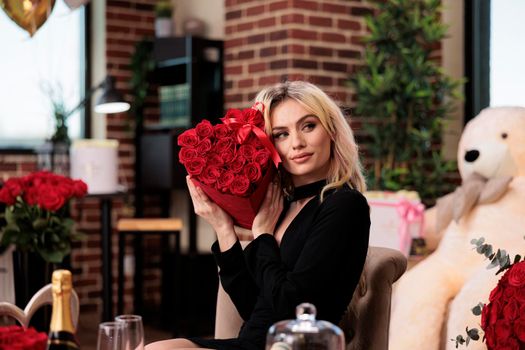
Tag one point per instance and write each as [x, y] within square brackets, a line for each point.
[310, 237]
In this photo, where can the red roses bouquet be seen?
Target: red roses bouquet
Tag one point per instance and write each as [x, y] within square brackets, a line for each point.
[503, 318]
[232, 162]
[37, 214]
[18, 338]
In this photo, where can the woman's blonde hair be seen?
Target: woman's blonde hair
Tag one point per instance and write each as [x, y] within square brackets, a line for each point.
[345, 167]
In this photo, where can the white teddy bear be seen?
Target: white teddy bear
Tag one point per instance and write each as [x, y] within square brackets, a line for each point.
[490, 204]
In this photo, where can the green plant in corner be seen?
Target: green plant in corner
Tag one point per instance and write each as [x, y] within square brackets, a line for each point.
[405, 96]
[142, 64]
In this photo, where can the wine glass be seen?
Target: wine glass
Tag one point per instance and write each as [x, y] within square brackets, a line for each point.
[111, 336]
[134, 331]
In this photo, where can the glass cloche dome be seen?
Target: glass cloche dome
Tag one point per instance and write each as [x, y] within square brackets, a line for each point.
[305, 333]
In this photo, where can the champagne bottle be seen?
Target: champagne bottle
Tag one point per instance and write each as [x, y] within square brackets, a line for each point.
[61, 330]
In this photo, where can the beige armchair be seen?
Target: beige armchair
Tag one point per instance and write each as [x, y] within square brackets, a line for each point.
[367, 319]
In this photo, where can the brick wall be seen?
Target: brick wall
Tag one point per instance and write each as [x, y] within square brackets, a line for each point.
[269, 41]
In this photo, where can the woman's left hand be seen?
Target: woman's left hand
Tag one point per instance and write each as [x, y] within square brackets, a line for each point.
[268, 214]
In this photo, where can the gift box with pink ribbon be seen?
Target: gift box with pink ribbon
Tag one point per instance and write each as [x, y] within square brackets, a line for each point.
[396, 218]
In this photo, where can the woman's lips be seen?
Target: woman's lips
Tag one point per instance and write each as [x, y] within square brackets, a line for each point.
[302, 158]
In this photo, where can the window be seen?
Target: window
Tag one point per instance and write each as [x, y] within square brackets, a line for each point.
[507, 53]
[54, 58]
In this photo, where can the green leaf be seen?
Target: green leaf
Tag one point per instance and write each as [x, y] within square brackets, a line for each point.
[476, 310]
[473, 334]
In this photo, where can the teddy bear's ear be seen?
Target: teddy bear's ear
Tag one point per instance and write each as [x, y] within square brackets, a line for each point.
[494, 189]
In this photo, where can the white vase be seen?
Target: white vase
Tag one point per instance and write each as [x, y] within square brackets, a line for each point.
[163, 27]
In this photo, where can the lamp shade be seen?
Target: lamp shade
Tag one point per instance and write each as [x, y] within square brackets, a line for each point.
[111, 101]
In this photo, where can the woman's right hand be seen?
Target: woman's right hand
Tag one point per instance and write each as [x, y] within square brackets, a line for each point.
[221, 222]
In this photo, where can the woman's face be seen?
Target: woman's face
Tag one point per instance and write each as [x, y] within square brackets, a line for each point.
[301, 141]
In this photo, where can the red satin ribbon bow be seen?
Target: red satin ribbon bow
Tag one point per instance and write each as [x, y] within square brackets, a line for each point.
[243, 130]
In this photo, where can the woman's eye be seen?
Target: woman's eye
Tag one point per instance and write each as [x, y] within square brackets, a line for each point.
[309, 126]
[504, 135]
[279, 135]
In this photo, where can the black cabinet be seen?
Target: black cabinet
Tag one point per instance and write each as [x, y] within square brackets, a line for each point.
[189, 74]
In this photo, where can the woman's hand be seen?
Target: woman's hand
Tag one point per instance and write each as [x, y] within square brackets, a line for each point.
[268, 214]
[221, 222]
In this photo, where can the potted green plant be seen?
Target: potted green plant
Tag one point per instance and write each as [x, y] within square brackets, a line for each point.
[405, 97]
[163, 20]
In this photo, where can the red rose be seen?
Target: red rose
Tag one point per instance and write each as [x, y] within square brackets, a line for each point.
[508, 344]
[494, 310]
[224, 144]
[49, 198]
[203, 147]
[237, 164]
[221, 131]
[520, 297]
[247, 151]
[79, 188]
[262, 157]
[502, 330]
[240, 185]
[508, 292]
[210, 174]
[495, 293]
[517, 274]
[485, 316]
[227, 155]
[490, 336]
[204, 129]
[188, 138]
[14, 186]
[195, 166]
[6, 197]
[253, 116]
[225, 180]
[233, 114]
[215, 159]
[510, 311]
[65, 188]
[187, 154]
[253, 172]
[31, 195]
[519, 329]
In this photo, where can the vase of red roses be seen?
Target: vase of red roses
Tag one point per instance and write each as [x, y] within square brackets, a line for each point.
[38, 226]
[503, 317]
[20, 338]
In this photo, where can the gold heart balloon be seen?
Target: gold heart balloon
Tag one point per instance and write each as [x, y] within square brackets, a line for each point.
[28, 14]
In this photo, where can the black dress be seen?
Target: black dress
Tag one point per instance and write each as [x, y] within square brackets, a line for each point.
[319, 261]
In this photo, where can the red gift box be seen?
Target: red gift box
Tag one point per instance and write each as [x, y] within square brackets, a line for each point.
[241, 209]
[232, 162]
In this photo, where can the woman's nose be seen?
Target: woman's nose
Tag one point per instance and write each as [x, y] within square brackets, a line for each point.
[297, 140]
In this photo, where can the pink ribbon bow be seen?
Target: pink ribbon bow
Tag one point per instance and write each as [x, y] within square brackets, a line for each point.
[409, 213]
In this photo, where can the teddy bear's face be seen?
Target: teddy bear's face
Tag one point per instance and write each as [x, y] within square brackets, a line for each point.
[493, 143]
